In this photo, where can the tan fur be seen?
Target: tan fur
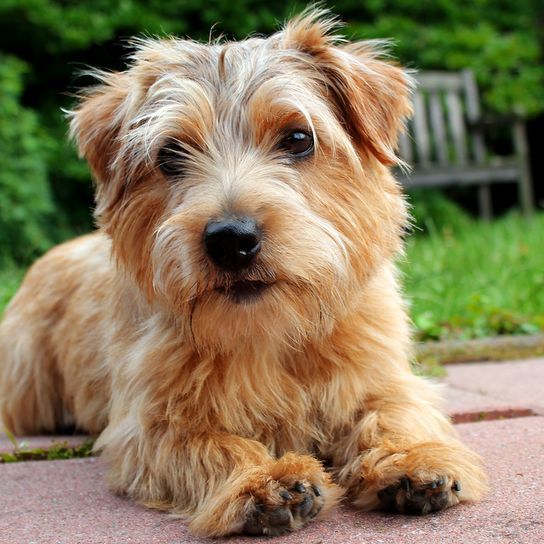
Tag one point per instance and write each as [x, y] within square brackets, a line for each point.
[205, 407]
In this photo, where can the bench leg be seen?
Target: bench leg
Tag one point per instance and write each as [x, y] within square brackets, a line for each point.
[484, 202]
[525, 184]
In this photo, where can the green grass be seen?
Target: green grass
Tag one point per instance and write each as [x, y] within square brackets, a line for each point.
[477, 279]
[468, 280]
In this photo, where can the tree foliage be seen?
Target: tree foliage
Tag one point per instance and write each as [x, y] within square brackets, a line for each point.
[43, 44]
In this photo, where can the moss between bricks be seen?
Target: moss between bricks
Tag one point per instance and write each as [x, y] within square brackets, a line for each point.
[57, 450]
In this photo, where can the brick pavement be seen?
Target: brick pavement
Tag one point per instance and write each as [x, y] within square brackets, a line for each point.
[67, 502]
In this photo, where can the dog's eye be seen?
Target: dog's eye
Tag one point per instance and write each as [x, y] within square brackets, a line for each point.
[171, 157]
[297, 143]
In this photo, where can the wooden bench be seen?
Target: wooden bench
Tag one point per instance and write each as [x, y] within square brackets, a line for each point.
[445, 142]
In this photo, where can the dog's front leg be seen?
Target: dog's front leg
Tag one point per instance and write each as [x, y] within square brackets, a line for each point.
[221, 483]
[270, 497]
[402, 454]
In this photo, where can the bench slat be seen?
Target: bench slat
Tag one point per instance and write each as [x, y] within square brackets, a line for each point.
[405, 147]
[477, 140]
[457, 126]
[439, 130]
[473, 115]
[421, 132]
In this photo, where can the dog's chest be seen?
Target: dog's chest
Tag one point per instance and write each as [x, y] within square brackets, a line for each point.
[287, 407]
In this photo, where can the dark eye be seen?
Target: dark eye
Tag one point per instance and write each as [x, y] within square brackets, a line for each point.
[297, 143]
[171, 158]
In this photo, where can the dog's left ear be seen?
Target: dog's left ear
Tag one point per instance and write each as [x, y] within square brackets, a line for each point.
[371, 95]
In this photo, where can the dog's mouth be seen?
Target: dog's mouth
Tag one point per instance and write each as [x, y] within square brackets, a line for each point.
[244, 291]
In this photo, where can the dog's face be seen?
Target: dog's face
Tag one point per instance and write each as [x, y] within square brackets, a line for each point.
[245, 185]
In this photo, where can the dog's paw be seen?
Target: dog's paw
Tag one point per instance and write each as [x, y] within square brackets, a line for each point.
[296, 491]
[409, 497]
[424, 478]
[276, 498]
[283, 509]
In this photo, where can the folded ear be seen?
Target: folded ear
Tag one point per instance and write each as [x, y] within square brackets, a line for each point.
[370, 95]
[95, 125]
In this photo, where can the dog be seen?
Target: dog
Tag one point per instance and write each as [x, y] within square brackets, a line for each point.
[234, 332]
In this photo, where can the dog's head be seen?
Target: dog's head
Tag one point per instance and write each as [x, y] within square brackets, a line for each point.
[245, 186]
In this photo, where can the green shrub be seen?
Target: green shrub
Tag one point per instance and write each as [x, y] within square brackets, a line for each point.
[26, 206]
[10, 279]
[432, 212]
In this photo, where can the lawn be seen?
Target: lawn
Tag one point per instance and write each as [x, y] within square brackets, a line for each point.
[477, 279]
[467, 281]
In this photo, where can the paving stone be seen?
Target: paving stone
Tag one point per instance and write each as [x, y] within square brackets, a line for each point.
[517, 383]
[466, 406]
[67, 502]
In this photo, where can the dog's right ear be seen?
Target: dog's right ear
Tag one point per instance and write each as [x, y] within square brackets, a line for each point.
[95, 125]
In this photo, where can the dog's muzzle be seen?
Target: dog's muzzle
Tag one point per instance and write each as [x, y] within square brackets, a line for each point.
[232, 244]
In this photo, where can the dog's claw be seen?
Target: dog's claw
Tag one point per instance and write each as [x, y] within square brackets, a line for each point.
[435, 484]
[299, 488]
[285, 495]
[405, 497]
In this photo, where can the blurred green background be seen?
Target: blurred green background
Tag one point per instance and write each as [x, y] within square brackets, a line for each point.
[45, 191]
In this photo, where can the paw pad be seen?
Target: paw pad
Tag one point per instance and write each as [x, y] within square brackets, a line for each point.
[288, 510]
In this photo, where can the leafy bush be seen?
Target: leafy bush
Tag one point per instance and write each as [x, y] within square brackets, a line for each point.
[10, 279]
[26, 205]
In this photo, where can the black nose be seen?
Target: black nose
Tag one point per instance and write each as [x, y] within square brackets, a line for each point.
[233, 243]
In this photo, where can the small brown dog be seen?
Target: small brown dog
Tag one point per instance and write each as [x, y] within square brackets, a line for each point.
[236, 320]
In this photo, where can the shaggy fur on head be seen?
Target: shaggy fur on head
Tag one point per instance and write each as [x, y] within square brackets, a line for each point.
[218, 393]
